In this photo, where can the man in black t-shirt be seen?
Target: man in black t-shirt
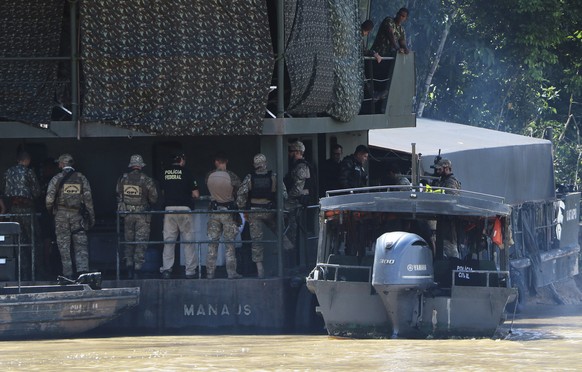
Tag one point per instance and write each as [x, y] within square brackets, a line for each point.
[179, 188]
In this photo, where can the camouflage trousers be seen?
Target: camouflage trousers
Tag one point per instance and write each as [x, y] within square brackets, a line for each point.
[183, 225]
[256, 221]
[27, 229]
[68, 230]
[137, 229]
[221, 224]
[294, 209]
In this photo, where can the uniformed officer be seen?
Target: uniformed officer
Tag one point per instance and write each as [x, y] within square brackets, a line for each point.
[21, 188]
[257, 192]
[222, 185]
[136, 192]
[69, 197]
[297, 181]
[180, 189]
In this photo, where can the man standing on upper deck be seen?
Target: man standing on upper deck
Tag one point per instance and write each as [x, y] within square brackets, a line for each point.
[352, 170]
[391, 38]
[180, 189]
[21, 188]
[223, 186]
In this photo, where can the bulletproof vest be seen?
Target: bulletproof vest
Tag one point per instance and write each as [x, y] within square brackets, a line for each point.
[133, 189]
[310, 183]
[71, 192]
[261, 186]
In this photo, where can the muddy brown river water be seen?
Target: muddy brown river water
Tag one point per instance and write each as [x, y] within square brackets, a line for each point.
[544, 337]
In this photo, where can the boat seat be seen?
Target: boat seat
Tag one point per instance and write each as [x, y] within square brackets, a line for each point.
[339, 259]
[348, 274]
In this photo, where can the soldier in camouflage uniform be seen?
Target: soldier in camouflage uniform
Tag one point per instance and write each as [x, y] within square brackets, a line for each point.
[68, 195]
[136, 192]
[297, 188]
[257, 191]
[447, 229]
[222, 185]
[21, 188]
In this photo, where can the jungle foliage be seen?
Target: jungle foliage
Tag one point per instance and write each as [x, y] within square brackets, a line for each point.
[512, 65]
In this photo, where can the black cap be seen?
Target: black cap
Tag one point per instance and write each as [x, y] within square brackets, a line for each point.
[362, 149]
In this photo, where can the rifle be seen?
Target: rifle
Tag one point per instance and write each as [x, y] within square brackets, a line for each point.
[57, 192]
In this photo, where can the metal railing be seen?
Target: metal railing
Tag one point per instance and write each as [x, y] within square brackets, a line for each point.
[200, 242]
[32, 244]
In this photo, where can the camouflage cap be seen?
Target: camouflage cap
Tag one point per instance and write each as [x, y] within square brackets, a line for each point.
[66, 159]
[136, 161]
[444, 163]
[297, 146]
[260, 161]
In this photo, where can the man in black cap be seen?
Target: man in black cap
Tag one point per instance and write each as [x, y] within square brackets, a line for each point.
[444, 170]
[352, 171]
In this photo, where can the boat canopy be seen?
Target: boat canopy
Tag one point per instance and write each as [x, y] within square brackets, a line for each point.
[378, 199]
[517, 168]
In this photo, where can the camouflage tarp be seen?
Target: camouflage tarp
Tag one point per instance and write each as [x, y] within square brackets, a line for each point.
[323, 57]
[177, 67]
[29, 29]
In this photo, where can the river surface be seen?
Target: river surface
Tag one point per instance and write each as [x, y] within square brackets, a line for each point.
[545, 338]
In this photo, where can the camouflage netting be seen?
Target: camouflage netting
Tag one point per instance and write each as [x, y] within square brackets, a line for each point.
[348, 68]
[309, 57]
[177, 67]
[29, 28]
[323, 57]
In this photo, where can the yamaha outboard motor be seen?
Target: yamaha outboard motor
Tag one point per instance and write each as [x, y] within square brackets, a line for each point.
[403, 270]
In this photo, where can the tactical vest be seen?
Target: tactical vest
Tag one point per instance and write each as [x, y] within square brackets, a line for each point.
[261, 186]
[310, 183]
[71, 192]
[133, 189]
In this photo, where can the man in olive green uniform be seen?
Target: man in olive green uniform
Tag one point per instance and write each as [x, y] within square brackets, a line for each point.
[136, 192]
[69, 197]
[297, 181]
[21, 188]
[257, 191]
[222, 185]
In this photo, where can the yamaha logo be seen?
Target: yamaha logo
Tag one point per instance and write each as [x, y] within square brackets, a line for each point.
[411, 267]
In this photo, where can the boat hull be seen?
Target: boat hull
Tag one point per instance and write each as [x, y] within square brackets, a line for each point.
[40, 312]
[352, 309]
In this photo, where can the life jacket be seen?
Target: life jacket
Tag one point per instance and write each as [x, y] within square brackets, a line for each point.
[261, 186]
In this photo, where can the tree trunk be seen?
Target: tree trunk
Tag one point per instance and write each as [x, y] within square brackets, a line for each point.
[434, 65]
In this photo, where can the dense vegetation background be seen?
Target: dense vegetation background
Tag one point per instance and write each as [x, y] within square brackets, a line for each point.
[510, 65]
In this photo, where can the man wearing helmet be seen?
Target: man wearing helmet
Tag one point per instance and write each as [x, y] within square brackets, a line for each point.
[257, 191]
[136, 192]
[299, 186]
[67, 195]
